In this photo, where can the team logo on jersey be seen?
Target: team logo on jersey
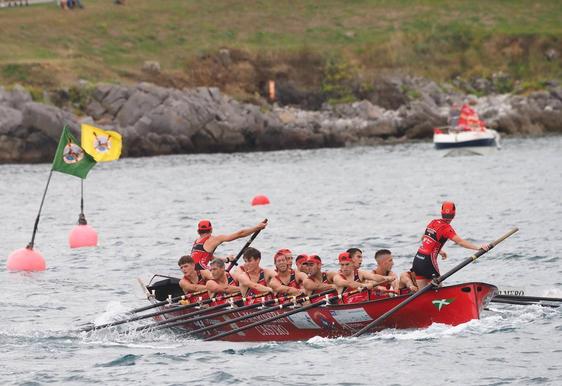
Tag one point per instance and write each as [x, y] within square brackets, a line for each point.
[440, 303]
[72, 153]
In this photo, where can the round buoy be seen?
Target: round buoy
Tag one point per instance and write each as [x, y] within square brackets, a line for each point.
[25, 259]
[82, 236]
[260, 200]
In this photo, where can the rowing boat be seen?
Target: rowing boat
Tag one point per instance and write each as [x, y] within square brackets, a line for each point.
[451, 305]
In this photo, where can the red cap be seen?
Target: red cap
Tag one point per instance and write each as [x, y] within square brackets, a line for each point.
[283, 251]
[204, 226]
[448, 210]
[313, 259]
[301, 257]
[343, 257]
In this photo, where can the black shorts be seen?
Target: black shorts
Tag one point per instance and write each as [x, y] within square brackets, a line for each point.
[422, 266]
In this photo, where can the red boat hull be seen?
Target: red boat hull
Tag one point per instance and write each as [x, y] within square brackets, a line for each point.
[450, 305]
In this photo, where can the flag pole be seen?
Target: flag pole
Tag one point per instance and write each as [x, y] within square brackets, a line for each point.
[82, 217]
[31, 243]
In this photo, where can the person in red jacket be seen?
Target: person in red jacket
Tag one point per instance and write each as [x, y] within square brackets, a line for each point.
[436, 234]
[204, 247]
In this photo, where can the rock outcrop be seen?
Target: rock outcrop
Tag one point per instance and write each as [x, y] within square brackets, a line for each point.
[155, 120]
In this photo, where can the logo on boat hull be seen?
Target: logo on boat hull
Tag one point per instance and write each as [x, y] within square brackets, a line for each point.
[440, 303]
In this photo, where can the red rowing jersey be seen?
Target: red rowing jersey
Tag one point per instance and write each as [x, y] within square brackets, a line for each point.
[261, 280]
[292, 280]
[200, 280]
[230, 281]
[436, 235]
[200, 255]
[355, 298]
[323, 280]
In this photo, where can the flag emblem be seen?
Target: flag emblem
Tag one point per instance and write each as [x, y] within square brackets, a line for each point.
[70, 158]
[440, 303]
[72, 153]
[102, 143]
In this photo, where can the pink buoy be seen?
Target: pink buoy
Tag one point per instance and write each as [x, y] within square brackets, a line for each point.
[25, 259]
[82, 236]
[260, 200]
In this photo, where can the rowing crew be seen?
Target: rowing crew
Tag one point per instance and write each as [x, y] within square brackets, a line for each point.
[204, 271]
[252, 280]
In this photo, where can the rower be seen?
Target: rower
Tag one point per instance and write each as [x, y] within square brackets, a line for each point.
[287, 280]
[288, 254]
[348, 278]
[317, 281]
[298, 262]
[221, 282]
[206, 244]
[356, 257]
[193, 280]
[385, 262]
[252, 278]
[436, 234]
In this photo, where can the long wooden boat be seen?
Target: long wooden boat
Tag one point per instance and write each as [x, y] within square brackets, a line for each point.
[451, 305]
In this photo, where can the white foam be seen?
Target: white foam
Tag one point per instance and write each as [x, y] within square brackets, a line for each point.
[553, 293]
[113, 311]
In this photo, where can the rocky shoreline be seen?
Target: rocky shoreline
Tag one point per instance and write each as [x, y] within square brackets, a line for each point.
[155, 120]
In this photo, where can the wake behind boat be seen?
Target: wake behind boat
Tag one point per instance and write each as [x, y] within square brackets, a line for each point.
[465, 134]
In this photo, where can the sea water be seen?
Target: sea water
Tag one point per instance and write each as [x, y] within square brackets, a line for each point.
[322, 201]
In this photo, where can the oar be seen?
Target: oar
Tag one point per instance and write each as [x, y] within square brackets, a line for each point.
[528, 298]
[260, 312]
[525, 303]
[281, 316]
[191, 317]
[164, 302]
[235, 261]
[152, 314]
[433, 285]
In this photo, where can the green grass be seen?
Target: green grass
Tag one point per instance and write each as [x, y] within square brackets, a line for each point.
[435, 39]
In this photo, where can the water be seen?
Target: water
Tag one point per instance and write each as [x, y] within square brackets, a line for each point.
[323, 201]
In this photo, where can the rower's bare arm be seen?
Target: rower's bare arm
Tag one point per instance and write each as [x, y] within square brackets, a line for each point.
[375, 277]
[301, 277]
[340, 282]
[467, 244]
[406, 282]
[276, 285]
[236, 235]
[189, 287]
[213, 286]
[269, 275]
[310, 285]
[244, 281]
[231, 289]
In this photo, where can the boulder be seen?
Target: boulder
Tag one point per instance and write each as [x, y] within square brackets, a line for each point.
[47, 119]
[135, 107]
[10, 119]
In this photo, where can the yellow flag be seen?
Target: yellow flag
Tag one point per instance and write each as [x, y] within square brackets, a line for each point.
[103, 145]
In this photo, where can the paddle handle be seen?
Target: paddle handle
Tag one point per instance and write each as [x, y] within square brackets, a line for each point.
[235, 261]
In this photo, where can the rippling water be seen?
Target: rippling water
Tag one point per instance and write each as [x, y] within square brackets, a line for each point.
[323, 201]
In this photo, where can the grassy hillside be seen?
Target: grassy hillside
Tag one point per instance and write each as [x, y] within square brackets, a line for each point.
[43, 46]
